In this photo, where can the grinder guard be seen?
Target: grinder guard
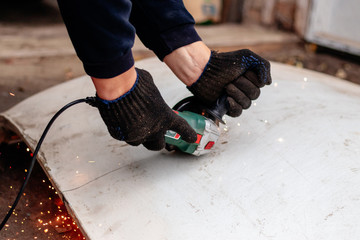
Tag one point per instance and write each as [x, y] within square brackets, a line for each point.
[204, 120]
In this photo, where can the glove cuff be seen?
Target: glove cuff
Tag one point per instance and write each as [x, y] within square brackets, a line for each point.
[108, 102]
[212, 78]
[223, 68]
[122, 112]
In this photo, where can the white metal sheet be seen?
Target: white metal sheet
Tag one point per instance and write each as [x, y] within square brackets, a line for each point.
[287, 168]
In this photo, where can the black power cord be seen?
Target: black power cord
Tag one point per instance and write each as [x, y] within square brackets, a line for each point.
[89, 100]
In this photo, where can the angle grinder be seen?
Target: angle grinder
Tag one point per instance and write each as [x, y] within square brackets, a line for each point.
[205, 120]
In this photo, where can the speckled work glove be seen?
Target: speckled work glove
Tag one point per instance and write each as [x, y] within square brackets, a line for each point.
[239, 74]
[141, 116]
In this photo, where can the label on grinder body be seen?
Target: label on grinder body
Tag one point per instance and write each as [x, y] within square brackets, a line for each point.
[207, 134]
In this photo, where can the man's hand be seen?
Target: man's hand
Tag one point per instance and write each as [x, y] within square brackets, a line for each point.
[141, 116]
[239, 74]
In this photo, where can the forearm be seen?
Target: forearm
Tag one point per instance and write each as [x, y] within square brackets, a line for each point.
[112, 88]
[188, 62]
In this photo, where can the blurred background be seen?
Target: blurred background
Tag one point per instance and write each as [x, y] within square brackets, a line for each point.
[322, 35]
[36, 53]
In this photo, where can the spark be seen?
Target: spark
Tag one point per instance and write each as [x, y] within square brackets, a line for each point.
[62, 224]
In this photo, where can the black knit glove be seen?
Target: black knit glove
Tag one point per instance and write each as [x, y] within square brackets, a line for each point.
[141, 116]
[239, 74]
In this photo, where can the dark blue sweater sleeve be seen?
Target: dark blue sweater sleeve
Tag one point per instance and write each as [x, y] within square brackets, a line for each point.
[103, 31]
[101, 34]
[163, 25]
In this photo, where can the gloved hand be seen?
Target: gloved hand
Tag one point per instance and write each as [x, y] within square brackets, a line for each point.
[239, 74]
[141, 116]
